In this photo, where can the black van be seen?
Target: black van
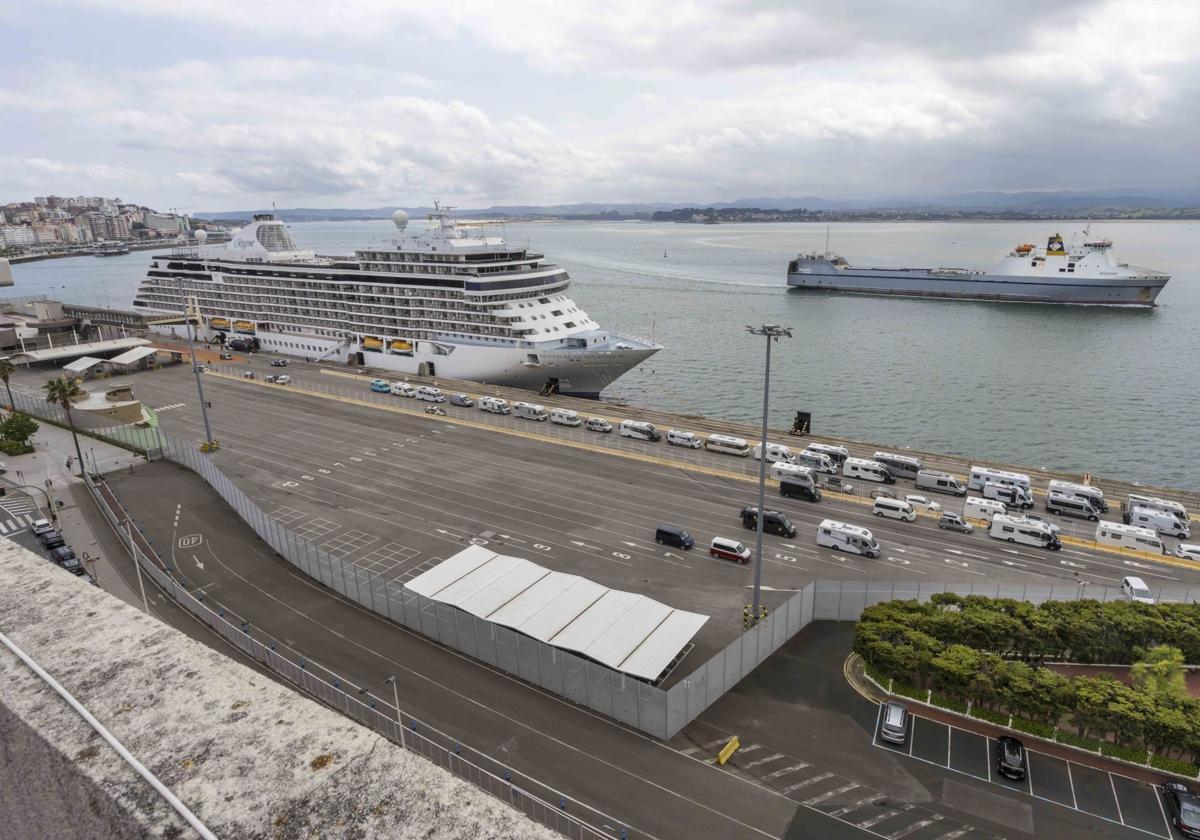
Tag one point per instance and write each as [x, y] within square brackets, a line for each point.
[773, 523]
[673, 535]
[799, 490]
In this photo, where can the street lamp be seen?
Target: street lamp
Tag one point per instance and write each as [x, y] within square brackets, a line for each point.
[187, 320]
[773, 333]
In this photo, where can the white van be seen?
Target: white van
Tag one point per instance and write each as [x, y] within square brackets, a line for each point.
[1071, 506]
[1085, 491]
[1018, 529]
[430, 394]
[894, 509]
[977, 508]
[530, 411]
[867, 470]
[837, 454]
[842, 537]
[1010, 494]
[818, 461]
[1160, 521]
[900, 465]
[982, 475]
[678, 437]
[1135, 589]
[565, 417]
[775, 452]
[494, 405]
[782, 469]
[640, 430]
[941, 482]
[727, 445]
[1157, 504]
[1129, 536]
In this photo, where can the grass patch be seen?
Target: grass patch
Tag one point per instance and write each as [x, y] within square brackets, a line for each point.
[1090, 744]
[1033, 727]
[1174, 765]
[1134, 754]
[948, 702]
[875, 674]
[998, 718]
[910, 691]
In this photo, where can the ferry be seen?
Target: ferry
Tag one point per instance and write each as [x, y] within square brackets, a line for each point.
[1083, 271]
[453, 300]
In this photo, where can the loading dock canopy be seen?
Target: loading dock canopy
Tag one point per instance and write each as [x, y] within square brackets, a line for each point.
[134, 355]
[75, 351]
[81, 365]
[629, 633]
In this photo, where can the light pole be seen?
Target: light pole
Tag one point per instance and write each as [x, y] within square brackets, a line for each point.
[187, 319]
[773, 333]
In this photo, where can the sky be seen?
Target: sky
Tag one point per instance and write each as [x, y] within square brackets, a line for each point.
[224, 104]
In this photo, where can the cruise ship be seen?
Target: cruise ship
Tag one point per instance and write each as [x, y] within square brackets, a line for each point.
[1083, 271]
[454, 300]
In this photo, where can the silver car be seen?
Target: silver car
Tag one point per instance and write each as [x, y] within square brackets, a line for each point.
[894, 727]
[1188, 551]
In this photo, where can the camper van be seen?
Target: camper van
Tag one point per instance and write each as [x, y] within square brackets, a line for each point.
[842, 537]
[1086, 491]
[430, 394]
[775, 452]
[1071, 506]
[1012, 495]
[727, 445]
[904, 466]
[818, 461]
[494, 405]
[1129, 536]
[678, 437]
[530, 411]
[403, 389]
[565, 417]
[982, 475]
[782, 469]
[640, 430]
[894, 509]
[940, 482]
[1160, 520]
[978, 508]
[1156, 504]
[867, 470]
[837, 454]
[1017, 529]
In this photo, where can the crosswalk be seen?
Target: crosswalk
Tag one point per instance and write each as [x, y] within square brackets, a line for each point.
[169, 407]
[12, 524]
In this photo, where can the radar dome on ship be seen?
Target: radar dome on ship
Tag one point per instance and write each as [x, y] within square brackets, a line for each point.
[400, 219]
[201, 235]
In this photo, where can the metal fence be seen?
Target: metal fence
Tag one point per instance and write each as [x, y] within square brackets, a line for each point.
[528, 796]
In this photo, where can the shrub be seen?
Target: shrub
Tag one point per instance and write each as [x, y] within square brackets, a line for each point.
[1033, 727]
[1174, 765]
[1064, 737]
[15, 447]
[909, 691]
[999, 718]
[948, 702]
[875, 674]
[1136, 755]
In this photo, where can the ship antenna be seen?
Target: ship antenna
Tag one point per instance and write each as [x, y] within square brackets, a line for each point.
[826, 241]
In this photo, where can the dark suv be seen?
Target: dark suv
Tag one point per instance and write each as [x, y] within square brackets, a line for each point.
[1010, 757]
[1184, 807]
[774, 522]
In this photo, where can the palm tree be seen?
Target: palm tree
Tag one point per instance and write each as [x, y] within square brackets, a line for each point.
[7, 369]
[61, 392]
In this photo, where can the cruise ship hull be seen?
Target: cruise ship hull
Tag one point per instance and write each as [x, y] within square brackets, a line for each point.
[977, 286]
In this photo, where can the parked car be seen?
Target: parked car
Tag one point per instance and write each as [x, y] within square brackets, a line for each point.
[433, 409]
[1188, 551]
[279, 363]
[62, 554]
[673, 535]
[247, 374]
[1135, 589]
[923, 502]
[894, 727]
[950, 521]
[226, 357]
[1184, 808]
[727, 549]
[72, 565]
[1010, 757]
[381, 386]
[462, 399]
[51, 539]
[280, 379]
[403, 389]
[837, 485]
[598, 424]
[41, 526]
[774, 522]
[885, 494]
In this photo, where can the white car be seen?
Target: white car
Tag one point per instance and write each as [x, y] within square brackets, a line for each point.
[598, 424]
[923, 502]
[1184, 551]
[678, 437]
[41, 526]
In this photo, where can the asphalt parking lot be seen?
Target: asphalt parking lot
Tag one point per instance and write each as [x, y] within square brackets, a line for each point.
[1109, 796]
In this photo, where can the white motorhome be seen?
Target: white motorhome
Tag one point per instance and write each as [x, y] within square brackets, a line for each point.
[941, 482]
[842, 537]
[775, 452]
[837, 454]
[727, 445]
[494, 405]
[1151, 502]
[782, 469]
[900, 465]
[565, 417]
[1010, 494]
[867, 470]
[430, 394]
[678, 437]
[1129, 536]
[982, 475]
[977, 508]
[530, 411]
[1161, 521]
[640, 430]
[1018, 529]
[1085, 491]
[818, 461]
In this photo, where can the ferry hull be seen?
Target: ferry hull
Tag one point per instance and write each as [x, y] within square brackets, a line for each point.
[988, 287]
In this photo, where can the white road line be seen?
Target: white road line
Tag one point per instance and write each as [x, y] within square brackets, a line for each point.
[1158, 798]
[3, 530]
[904, 832]
[958, 832]
[878, 818]
[785, 771]
[854, 806]
[692, 750]
[12, 526]
[747, 748]
[806, 783]
[1113, 784]
[949, 732]
[830, 794]
[1071, 779]
[763, 760]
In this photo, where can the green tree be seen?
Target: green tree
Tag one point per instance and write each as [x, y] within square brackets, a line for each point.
[1160, 671]
[61, 392]
[16, 430]
[7, 369]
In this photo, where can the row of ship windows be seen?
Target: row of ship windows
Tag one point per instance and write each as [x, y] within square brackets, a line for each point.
[307, 305]
[341, 290]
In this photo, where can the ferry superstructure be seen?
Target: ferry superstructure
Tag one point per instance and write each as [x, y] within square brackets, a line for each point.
[455, 300]
[1083, 271]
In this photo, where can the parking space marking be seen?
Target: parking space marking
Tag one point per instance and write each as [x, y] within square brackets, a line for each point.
[873, 799]
[286, 515]
[1116, 798]
[904, 832]
[749, 748]
[785, 771]
[830, 794]
[878, 818]
[351, 541]
[1071, 779]
[1140, 805]
[764, 760]
[1162, 810]
[805, 783]
[958, 832]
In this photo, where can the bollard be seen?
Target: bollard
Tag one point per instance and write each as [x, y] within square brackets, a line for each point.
[457, 749]
[562, 802]
[508, 776]
[412, 725]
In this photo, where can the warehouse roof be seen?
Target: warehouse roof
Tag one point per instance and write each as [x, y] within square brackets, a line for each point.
[80, 365]
[134, 355]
